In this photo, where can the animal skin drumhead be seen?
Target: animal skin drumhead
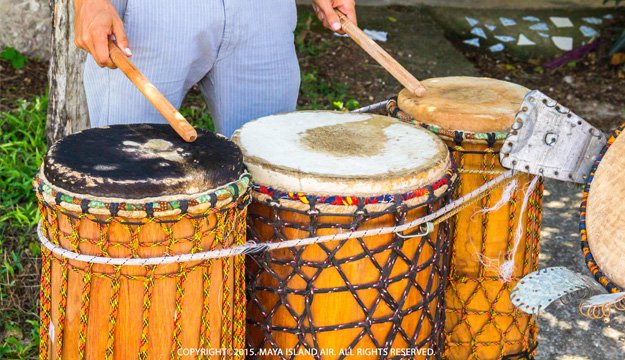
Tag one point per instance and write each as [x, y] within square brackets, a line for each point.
[605, 213]
[479, 105]
[337, 153]
[139, 161]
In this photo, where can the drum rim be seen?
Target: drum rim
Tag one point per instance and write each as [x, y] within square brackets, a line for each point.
[393, 110]
[159, 206]
[278, 194]
[592, 265]
[286, 177]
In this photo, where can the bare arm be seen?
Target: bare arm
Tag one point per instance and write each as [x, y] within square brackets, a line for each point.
[325, 12]
[96, 21]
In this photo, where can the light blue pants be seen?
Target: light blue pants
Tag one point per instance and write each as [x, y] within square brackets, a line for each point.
[240, 52]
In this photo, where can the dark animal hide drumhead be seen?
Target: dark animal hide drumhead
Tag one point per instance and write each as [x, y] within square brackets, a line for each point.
[141, 160]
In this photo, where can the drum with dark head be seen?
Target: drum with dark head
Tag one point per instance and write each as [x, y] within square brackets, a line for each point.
[138, 192]
[322, 173]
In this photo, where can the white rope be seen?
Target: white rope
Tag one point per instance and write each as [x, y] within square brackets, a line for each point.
[252, 247]
[506, 268]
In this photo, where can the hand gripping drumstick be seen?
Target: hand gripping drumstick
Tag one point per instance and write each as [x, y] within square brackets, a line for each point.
[169, 112]
[382, 57]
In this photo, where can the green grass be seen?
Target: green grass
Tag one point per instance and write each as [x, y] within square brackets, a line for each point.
[325, 94]
[194, 109]
[22, 147]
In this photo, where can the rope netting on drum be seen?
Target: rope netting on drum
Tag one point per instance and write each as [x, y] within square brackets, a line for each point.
[481, 323]
[117, 236]
[284, 287]
[516, 330]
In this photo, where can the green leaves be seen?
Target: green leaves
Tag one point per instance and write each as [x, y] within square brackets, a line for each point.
[15, 57]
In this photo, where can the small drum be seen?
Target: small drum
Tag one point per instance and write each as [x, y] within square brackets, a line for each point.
[603, 241]
[137, 192]
[473, 116]
[323, 173]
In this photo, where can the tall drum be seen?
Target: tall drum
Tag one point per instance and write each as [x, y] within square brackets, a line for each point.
[473, 116]
[138, 192]
[374, 297]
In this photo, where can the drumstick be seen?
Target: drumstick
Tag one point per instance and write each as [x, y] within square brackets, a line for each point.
[169, 112]
[381, 56]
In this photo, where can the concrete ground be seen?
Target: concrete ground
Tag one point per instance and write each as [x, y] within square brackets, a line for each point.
[564, 333]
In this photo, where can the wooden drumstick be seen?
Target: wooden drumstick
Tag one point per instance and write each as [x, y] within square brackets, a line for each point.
[169, 112]
[381, 56]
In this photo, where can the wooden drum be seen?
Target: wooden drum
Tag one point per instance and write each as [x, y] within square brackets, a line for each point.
[473, 116]
[601, 226]
[323, 173]
[137, 192]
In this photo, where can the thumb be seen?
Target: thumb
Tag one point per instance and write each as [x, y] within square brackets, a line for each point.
[120, 37]
[332, 18]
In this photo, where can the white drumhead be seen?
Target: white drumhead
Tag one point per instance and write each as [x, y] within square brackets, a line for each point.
[338, 153]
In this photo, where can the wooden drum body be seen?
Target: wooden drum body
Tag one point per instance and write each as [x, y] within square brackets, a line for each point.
[473, 116]
[128, 200]
[374, 297]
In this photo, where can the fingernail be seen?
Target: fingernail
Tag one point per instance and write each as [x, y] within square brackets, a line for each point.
[336, 26]
[128, 52]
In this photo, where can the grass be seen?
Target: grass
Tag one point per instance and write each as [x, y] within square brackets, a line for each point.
[22, 147]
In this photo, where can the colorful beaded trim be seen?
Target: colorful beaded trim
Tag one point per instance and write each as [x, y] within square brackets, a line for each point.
[590, 260]
[353, 200]
[232, 190]
[393, 110]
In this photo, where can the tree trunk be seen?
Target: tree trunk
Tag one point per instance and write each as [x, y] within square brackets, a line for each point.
[67, 105]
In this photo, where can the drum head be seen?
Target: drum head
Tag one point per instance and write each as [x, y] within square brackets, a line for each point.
[605, 229]
[141, 161]
[337, 153]
[470, 104]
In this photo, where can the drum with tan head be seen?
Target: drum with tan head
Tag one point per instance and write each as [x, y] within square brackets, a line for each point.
[473, 116]
[603, 242]
[322, 173]
[137, 192]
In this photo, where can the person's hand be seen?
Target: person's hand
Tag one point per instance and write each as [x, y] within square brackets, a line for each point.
[324, 9]
[97, 21]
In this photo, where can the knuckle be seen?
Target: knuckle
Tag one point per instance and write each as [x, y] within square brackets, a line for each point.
[96, 29]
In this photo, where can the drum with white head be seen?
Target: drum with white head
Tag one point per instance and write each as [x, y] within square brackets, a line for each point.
[320, 173]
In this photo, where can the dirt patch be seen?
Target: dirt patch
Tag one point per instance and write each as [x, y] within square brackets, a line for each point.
[29, 81]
